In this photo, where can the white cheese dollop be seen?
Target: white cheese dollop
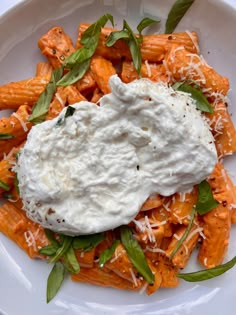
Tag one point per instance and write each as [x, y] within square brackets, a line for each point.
[94, 171]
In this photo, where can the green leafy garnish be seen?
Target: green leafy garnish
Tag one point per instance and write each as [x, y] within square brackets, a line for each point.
[176, 13]
[206, 201]
[49, 250]
[69, 112]
[195, 92]
[76, 73]
[207, 274]
[4, 186]
[79, 60]
[145, 22]
[131, 39]
[6, 195]
[185, 235]
[6, 136]
[66, 243]
[136, 254]
[16, 183]
[40, 108]
[88, 242]
[55, 280]
[71, 262]
[108, 253]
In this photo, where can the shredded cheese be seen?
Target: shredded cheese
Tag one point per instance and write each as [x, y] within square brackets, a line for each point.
[23, 124]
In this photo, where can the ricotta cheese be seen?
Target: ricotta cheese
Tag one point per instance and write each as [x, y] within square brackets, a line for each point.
[94, 171]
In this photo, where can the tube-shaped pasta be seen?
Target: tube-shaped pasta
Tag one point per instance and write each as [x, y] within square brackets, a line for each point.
[87, 83]
[185, 66]
[181, 258]
[216, 223]
[43, 69]
[15, 94]
[153, 47]
[102, 277]
[102, 70]
[181, 206]
[16, 125]
[28, 235]
[154, 72]
[223, 130]
[56, 45]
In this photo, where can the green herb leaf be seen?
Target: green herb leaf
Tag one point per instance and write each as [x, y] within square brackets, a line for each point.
[201, 101]
[88, 242]
[4, 186]
[208, 273]
[71, 262]
[51, 237]
[90, 41]
[69, 112]
[206, 201]
[96, 28]
[108, 253]
[185, 235]
[40, 108]
[55, 280]
[176, 13]
[134, 47]
[49, 250]
[135, 254]
[6, 136]
[16, 183]
[115, 36]
[145, 23]
[66, 243]
[6, 195]
[76, 73]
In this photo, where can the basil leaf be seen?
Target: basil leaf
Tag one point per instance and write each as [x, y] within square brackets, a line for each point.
[185, 235]
[145, 23]
[51, 237]
[96, 28]
[107, 253]
[70, 261]
[49, 250]
[69, 112]
[76, 73]
[6, 195]
[176, 13]
[134, 48]
[88, 242]
[115, 36]
[16, 183]
[62, 249]
[55, 280]
[208, 273]
[135, 254]
[41, 107]
[6, 136]
[206, 201]
[90, 41]
[4, 186]
[201, 101]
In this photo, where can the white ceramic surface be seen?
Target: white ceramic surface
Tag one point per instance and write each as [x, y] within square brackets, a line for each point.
[23, 281]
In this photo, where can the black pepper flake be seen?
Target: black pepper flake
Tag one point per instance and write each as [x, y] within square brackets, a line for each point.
[150, 99]
[62, 57]
[54, 51]
[170, 37]
[67, 50]
[138, 167]
[224, 203]
[184, 115]
[210, 142]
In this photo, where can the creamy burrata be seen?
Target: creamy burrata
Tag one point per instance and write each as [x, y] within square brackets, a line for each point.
[94, 171]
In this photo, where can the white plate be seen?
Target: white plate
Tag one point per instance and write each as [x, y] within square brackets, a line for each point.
[23, 281]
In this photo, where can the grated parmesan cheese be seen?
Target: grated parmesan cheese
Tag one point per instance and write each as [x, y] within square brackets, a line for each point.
[23, 124]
